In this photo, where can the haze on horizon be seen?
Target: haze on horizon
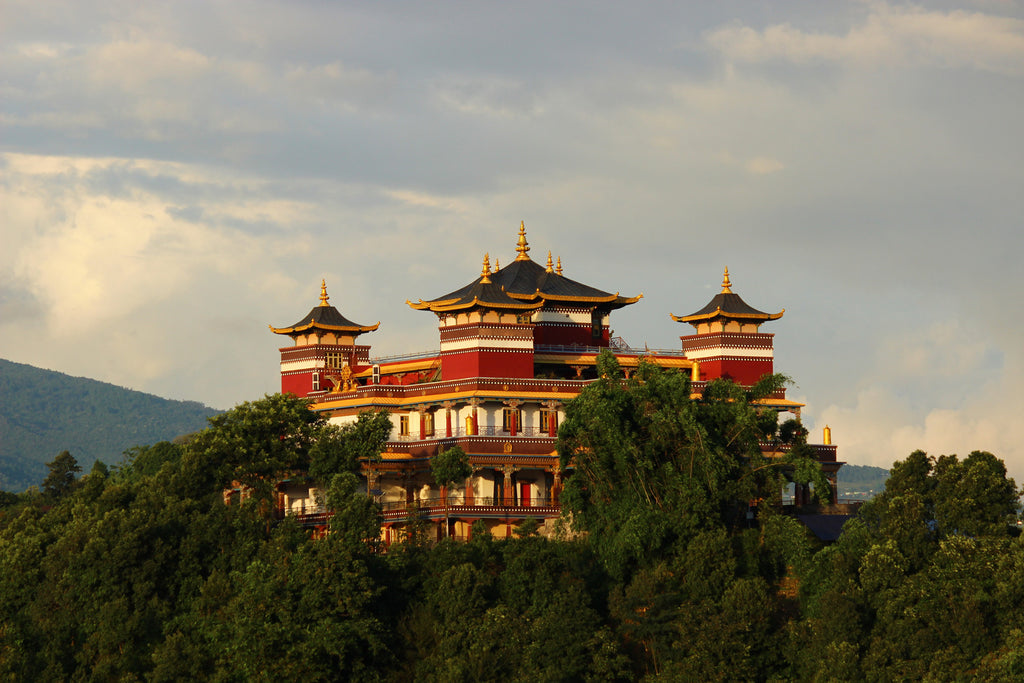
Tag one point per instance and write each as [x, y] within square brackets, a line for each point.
[176, 176]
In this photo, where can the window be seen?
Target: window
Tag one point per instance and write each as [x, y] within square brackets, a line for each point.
[546, 416]
[506, 419]
[403, 425]
[428, 424]
[316, 381]
[376, 374]
[595, 324]
[335, 360]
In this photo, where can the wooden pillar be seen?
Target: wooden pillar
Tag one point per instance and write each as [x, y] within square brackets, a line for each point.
[552, 408]
[280, 505]
[513, 418]
[475, 423]
[448, 418]
[507, 491]
[423, 423]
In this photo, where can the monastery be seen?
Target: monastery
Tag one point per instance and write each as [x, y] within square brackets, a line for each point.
[516, 344]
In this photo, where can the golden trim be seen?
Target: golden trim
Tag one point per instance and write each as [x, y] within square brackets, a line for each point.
[486, 272]
[323, 326]
[522, 247]
[718, 312]
[486, 304]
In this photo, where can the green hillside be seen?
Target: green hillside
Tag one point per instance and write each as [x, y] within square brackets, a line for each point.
[861, 482]
[44, 412]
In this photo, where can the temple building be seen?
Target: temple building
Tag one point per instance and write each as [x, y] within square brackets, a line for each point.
[515, 344]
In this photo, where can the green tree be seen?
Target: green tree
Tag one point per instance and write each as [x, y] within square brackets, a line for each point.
[449, 467]
[61, 477]
[652, 467]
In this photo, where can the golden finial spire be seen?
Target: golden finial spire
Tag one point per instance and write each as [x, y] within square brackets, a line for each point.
[486, 272]
[725, 282]
[522, 247]
[558, 268]
[550, 266]
[497, 266]
[323, 293]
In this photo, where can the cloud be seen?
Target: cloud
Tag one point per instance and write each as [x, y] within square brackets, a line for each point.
[943, 389]
[906, 36]
[763, 165]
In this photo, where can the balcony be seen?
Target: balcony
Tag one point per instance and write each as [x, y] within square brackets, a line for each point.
[433, 508]
[460, 432]
[480, 507]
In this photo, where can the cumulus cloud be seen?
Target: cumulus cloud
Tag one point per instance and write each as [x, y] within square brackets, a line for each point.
[888, 36]
[763, 165]
[176, 177]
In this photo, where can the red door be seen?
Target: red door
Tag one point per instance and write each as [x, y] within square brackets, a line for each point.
[524, 495]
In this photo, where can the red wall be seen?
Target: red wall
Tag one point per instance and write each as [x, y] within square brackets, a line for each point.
[482, 363]
[745, 372]
[567, 335]
[299, 384]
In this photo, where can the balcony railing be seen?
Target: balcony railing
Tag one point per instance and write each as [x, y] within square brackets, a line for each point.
[618, 351]
[482, 431]
[430, 504]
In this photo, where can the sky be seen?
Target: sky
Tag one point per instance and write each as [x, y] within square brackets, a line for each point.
[177, 176]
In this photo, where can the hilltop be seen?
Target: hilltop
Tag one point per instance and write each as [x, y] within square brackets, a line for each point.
[43, 412]
[861, 482]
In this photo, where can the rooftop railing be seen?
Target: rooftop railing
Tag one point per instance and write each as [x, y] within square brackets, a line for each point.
[620, 350]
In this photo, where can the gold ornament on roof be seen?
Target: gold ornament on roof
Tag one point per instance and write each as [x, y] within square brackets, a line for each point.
[550, 266]
[486, 272]
[323, 293]
[725, 282]
[558, 268]
[497, 266]
[522, 247]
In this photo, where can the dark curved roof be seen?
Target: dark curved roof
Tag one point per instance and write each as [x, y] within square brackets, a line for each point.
[483, 293]
[526, 280]
[726, 304]
[325, 317]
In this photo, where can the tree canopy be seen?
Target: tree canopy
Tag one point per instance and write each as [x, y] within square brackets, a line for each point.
[140, 572]
[652, 468]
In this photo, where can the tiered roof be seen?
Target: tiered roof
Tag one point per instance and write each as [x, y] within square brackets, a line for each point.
[526, 281]
[325, 317]
[483, 292]
[728, 306]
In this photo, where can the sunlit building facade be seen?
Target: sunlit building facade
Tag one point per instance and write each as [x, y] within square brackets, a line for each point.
[515, 344]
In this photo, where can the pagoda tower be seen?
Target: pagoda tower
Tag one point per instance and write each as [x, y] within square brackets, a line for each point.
[324, 354]
[727, 342]
[484, 331]
[484, 325]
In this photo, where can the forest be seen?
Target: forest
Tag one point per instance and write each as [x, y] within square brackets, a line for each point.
[43, 412]
[674, 561]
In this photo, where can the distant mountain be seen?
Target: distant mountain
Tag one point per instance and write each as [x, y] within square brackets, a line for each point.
[43, 413]
[861, 482]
